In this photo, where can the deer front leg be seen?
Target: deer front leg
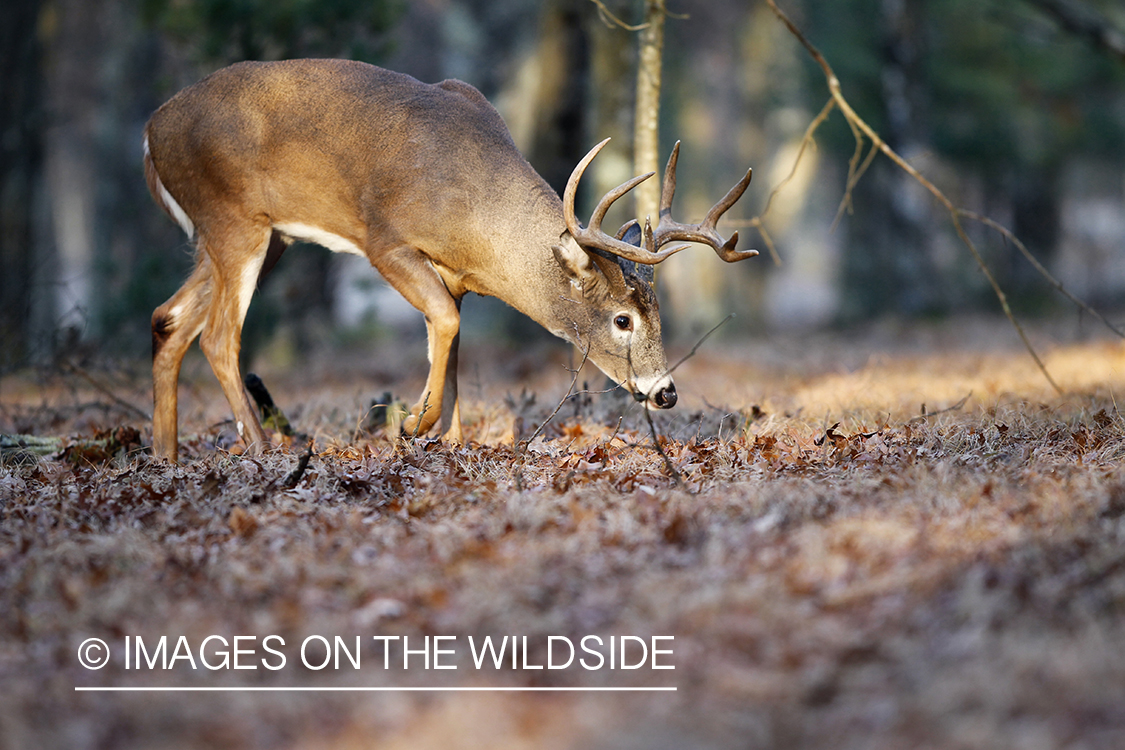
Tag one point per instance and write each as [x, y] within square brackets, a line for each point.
[410, 272]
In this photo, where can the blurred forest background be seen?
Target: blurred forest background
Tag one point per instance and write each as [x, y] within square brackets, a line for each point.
[1014, 108]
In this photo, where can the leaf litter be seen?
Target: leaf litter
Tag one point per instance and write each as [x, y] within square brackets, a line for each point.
[882, 574]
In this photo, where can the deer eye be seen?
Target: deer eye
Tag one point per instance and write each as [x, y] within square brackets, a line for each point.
[624, 322]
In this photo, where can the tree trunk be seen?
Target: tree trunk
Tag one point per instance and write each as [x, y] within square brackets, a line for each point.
[646, 134]
[76, 47]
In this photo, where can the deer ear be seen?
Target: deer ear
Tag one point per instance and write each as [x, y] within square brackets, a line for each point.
[631, 233]
[574, 260]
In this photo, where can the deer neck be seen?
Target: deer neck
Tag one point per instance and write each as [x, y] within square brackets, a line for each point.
[510, 258]
[541, 290]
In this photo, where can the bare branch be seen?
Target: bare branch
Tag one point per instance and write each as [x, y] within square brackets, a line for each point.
[294, 477]
[1058, 285]
[677, 478]
[610, 20]
[856, 171]
[564, 399]
[523, 445]
[699, 343]
[861, 129]
[758, 222]
[927, 414]
[1083, 21]
[104, 390]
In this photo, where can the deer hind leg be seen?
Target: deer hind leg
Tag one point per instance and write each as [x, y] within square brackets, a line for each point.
[236, 265]
[175, 324]
[410, 272]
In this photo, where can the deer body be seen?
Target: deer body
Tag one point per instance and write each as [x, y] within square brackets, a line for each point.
[422, 179]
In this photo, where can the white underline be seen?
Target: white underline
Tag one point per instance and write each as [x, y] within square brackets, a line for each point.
[308, 689]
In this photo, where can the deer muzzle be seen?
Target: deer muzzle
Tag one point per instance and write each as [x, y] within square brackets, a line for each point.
[665, 398]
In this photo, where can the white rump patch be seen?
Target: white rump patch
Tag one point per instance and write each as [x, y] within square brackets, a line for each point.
[307, 233]
[169, 202]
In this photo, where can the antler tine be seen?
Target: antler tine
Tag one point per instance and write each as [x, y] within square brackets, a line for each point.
[609, 198]
[668, 189]
[604, 204]
[571, 190]
[704, 232]
[728, 200]
[727, 251]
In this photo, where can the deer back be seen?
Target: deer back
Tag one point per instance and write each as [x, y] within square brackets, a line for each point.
[375, 158]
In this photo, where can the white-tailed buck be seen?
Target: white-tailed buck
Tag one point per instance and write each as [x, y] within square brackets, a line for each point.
[425, 182]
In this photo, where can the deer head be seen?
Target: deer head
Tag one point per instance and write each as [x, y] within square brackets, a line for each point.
[615, 274]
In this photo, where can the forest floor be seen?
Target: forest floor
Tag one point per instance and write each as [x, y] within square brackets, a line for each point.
[897, 538]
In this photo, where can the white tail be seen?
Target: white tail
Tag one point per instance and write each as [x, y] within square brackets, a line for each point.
[421, 179]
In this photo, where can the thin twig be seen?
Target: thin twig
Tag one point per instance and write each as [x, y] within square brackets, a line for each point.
[699, 343]
[1003, 298]
[855, 173]
[806, 141]
[421, 415]
[524, 445]
[569, 391]
[105, 391]
[677, 479]
[1086, 23]
[758, 222]
[927, 414]
[610, 20]
[294, 477]
[1058, 285]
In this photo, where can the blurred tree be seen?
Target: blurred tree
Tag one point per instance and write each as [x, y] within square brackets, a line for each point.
[709, 103]
[1015, 97]
[560, 138]
[21, 153]
[557, 98]
[224, 31]
[646, 132]
[74, 34]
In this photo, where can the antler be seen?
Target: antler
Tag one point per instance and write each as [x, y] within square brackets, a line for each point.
[650, 253]
[704, 232]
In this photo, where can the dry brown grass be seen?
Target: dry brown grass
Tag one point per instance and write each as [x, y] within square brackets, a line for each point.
[838, 569]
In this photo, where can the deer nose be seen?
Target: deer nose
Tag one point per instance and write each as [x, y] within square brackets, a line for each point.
[665, 398]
